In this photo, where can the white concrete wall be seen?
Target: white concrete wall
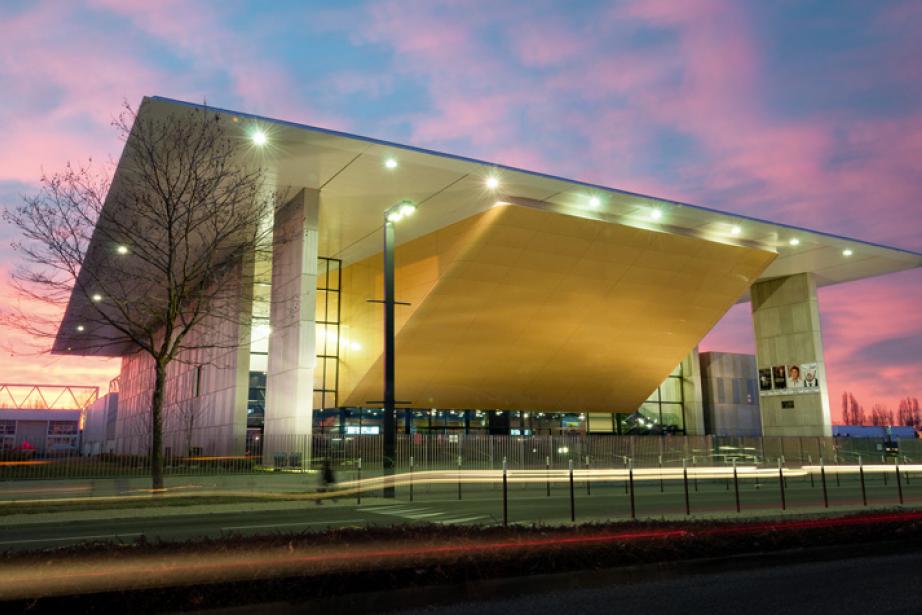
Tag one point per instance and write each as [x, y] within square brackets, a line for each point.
[292, 318]
[786, 319]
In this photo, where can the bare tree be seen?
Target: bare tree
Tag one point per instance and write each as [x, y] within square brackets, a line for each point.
[154, 260]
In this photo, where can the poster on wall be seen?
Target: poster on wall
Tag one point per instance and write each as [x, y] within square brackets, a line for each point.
[811, 377]
[765, 379]
[779, 379]
[795, 377]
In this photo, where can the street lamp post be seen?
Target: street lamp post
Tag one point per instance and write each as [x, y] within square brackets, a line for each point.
[391, 217]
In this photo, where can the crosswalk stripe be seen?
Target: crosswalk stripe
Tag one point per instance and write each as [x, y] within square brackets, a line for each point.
[459, 520]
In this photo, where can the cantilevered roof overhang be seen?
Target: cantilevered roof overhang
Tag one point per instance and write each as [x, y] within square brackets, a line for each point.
[356, 187]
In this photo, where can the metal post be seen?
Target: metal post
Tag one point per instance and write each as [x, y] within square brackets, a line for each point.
[505, 496]
[695, 466]
[784, 503]
[626, 487]
[685, 482]
[572, 496]
[588, 490]
[810, 458]
[906, 474]
[547, 468]
[823, 479]
[459, 477]
[358, 481]
[630, 476]
[899, 483]
[661, 471]
[864, 493]
[389, 426]
[836, 460]
[411, 479]
[736, 486]
[883, 461]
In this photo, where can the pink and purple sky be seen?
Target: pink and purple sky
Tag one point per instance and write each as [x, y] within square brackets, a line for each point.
[804, 112]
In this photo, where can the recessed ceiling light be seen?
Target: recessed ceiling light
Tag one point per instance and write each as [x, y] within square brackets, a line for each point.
[492, 182]
[390, 163]
[122, 249]
[736, 230]
[656, 214]
[594, 201]
[794, 241]
[80, 328]
[96, 297]
[847, 252]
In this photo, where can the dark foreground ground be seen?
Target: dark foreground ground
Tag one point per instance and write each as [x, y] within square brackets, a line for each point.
[830, 582]
[859, 563]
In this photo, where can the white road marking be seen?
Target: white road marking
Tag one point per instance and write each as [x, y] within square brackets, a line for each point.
[14, 542]
[459, 520]
[247, 527]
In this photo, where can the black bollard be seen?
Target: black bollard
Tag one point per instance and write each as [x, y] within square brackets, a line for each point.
[630, 477]
[864, 493]
[784, 503]
[572, 496]
[505, 496]
[736, 486]
[459, 476]
[823, 479]
[685, 482]
[899, 484]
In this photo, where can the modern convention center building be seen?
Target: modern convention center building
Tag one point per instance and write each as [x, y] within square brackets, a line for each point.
[527, 303]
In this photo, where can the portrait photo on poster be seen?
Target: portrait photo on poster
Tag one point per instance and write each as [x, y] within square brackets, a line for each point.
[765, 379]
[811, 377]
[779, 379]
[795, 377]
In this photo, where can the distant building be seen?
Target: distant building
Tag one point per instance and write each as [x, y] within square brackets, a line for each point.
[99, 426]
[730, 391]
[43, 419]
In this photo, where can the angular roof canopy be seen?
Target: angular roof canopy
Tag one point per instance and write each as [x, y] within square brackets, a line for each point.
[356, 187]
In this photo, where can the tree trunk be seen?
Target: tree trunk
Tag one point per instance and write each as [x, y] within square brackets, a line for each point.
[156, 428]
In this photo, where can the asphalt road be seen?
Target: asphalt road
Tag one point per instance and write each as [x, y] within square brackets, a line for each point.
[878, 585]
[481, 505]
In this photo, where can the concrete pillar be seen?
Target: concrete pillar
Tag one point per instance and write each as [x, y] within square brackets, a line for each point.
[786, 319]
[292, 341]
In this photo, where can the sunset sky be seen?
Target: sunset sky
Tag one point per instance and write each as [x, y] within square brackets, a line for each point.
[807, 113]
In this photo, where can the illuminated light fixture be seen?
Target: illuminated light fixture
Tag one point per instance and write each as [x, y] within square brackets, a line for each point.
[656, 214]
[80, 328]
[847, 252]
[736, 230]
[594, 202]
[794, 241]
[122, 249]
[96, 298]
[401, 211]
[492, 182]
[390, 163]
[259, 137]
[355, 346]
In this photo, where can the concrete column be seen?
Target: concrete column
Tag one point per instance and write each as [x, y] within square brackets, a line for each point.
[786, 319]
[292, 341]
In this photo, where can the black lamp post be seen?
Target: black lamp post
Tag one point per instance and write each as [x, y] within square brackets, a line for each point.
[391, 217]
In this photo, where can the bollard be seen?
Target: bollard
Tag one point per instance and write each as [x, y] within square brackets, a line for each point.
[836, 461]
[459, 477]
[626, 488]
[736, 486]
[572, 496]
[883, 461]
[505, 496]
[547, 467]
[630, 477]
[864, 493]
[784, 503]
[823, 479]
[899, 484]
[695, 466]
[781, 459]
[906, 474]
[588, 491]
[810, 459]
[685, 483]
[358, 481]
[411, 479]
[660, 473]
